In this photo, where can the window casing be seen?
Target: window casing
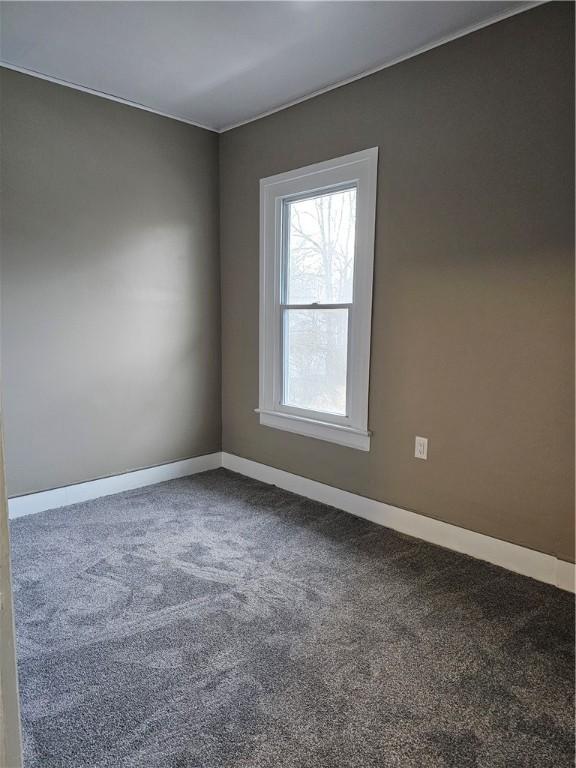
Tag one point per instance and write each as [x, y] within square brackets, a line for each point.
[316, 268]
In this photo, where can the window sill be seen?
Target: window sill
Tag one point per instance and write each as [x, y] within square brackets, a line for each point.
[321, 430]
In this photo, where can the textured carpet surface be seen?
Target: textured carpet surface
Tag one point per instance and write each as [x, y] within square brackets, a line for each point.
[217, 622]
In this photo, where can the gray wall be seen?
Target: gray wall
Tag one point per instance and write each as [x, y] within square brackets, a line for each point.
[10, 735]
[472, 341]
[110, 287]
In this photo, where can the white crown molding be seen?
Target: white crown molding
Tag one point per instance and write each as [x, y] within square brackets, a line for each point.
[102, 95]
[528, 562]
[519, 7]
[18, 506]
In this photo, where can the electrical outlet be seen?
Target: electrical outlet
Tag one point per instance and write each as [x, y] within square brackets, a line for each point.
[421, 448]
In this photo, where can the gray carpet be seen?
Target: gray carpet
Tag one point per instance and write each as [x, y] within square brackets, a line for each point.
[217, 622]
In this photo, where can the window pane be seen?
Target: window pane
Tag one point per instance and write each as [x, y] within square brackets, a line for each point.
[320, 248]
[315, 359]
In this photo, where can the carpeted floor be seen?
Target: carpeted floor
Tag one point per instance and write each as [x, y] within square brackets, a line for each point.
[217, 622]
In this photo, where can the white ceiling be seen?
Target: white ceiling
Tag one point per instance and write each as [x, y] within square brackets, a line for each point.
[218, 64]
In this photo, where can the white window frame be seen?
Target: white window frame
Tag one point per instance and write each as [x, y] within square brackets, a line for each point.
[360, 171]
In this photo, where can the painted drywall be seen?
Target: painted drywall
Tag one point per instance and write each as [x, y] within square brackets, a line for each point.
[472, 336]
[110, 287]
[10, 734]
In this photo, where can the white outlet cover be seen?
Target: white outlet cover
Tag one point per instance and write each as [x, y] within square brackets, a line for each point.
[421, 448]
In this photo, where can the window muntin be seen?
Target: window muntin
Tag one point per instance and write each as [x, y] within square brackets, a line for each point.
[316, 262]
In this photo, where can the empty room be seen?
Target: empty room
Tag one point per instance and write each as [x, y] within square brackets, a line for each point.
[287, 446]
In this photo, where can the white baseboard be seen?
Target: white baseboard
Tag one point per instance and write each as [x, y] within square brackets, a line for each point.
[527, 562]
[105, 486]
[566, 575]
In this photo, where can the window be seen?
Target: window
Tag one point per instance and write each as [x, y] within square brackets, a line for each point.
[316, 265]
